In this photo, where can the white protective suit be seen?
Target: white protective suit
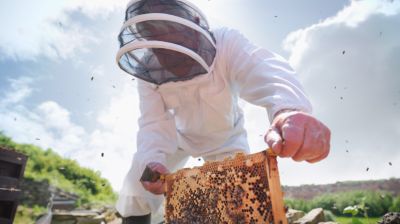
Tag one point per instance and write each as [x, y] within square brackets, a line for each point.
[201, 116]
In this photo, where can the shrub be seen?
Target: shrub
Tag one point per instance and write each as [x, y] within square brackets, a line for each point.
[376, 203]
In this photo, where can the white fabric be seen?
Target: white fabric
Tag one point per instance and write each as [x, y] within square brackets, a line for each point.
[202, 115]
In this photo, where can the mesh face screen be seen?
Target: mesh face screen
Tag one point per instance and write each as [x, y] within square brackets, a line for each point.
[175, 66]
[230, 191]
[165, 41]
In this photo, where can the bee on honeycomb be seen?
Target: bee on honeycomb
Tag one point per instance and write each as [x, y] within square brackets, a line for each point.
[243, 189]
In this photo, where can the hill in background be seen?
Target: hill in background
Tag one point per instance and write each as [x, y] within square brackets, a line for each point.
[308, 192]
[48, 173]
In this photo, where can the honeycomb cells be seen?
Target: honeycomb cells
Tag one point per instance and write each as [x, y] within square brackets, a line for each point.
[231, 191]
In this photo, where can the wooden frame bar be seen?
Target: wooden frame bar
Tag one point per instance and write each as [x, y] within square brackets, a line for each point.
[278, 206]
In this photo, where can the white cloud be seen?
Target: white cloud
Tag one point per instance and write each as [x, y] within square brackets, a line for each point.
[47, 29]
[100, 8]
[351, 16]
[55, 116]
[115, 137]
[349, 66]
[256, 124]
[19, 90]
[49, 125]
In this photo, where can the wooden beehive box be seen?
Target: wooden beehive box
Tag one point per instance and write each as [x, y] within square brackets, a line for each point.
[243, 189]
[12, 166]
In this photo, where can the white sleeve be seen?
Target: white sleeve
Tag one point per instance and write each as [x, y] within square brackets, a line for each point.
[261, 77]
[157, 131]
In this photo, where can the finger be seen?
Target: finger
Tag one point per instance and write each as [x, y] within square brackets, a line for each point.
[311, 147]
[152, 165]
[155, 166]
[154, 187]
[160, 168]
[310, 151]
[293, 137]
[326, 149]
[315, 143]
[323, 156]
[274, 140]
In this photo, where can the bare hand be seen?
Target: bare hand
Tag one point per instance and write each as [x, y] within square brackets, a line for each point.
[156, 187]
[300, 136]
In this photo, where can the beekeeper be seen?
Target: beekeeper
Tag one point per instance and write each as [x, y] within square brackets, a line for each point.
[189, 82]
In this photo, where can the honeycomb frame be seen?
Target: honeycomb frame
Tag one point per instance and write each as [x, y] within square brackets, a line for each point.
[242, 189]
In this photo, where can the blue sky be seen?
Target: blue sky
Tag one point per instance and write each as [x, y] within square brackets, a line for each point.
[346, 54]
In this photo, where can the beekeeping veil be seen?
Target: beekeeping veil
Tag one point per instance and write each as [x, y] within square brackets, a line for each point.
[165, 40]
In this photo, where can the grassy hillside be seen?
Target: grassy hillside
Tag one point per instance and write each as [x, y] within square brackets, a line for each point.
[65, 174]
[378, 196]
[308, 192]
[374, 203]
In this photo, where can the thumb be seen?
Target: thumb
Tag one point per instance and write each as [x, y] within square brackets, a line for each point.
[274, 140]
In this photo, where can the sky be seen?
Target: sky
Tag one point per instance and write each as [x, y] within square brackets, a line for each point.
[60, 87]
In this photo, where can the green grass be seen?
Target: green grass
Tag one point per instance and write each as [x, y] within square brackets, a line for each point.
[347, 220]
[63, 173]
[27, 215]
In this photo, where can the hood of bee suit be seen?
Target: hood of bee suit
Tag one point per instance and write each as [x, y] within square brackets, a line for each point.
[165, 41]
